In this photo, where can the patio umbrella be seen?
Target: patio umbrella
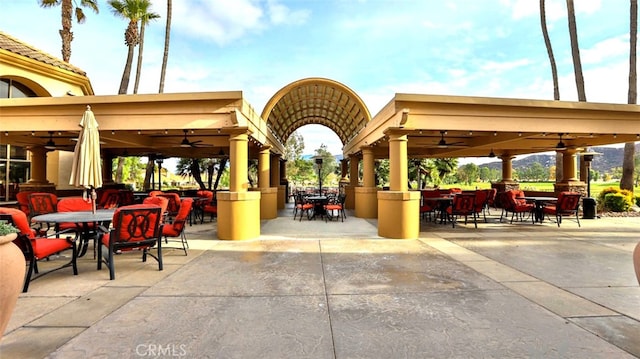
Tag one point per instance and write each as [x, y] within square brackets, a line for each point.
[86, 170]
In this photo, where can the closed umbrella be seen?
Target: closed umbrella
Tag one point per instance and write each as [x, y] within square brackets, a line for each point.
[86, 170]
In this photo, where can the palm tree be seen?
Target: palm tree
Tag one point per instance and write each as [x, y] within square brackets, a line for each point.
[144, 21]
[165, 56]
[134, 11]
[67, 20]
[547, 42]
[626, 181]
[575, 51]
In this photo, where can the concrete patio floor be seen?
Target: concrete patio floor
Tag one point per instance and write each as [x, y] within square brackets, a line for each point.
[310, 289]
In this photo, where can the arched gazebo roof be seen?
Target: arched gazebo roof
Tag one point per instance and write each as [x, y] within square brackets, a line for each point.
[316, 101]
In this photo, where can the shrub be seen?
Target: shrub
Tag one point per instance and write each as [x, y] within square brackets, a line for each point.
[617, 202]
[621, 201]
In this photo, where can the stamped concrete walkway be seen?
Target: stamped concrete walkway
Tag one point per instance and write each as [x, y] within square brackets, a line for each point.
[312, 289]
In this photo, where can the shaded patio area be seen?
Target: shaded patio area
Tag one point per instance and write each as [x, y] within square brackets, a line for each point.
[312, 289]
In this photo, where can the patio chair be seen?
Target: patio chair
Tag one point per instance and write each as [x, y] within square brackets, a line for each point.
[42, 203]
[36, 247]
[491, 198]
[176, 229]
[463, 205]
[23, 202]
[337, 206]
[302, 206]
[567, 206]
[429, 207]
[162, 202]
[206, 200]
[480, 205]
[86, 230]
[173, 206]
[135, 227]
[109, 198]
[517, 205]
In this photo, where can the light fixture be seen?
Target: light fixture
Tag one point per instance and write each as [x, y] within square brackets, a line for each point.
[519, 134]
[113, 132]
[139, 132]
[166, 132]
[442, 143]
[495, 133]
[492, 154]
[470, 133]
[50, 145]
[615, 135]
[6, 133]
[561, 146]
[33, 133]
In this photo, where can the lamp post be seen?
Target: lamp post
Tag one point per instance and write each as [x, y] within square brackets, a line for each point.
[588, 203]
[159, 162]
[319, 164]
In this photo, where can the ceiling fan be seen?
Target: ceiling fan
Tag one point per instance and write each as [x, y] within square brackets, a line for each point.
[185, 143]
[560, 146]
[443, 143]
[51, 145]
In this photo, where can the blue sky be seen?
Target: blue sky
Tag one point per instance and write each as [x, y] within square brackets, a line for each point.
[376, 47]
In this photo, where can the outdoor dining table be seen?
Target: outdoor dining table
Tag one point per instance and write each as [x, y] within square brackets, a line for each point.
[539, 202]
[444, 202]
[318, 205]
[82, 219]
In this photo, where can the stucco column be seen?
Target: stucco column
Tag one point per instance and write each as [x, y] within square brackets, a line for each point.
[398, 208]
[275, 181]
[38, 181]
[239, 208]
[344, 169]
[269, 194]
[366, 196]
[569, 181]
[349, 190]
[107, 168]
[507, 182]
[38, 165]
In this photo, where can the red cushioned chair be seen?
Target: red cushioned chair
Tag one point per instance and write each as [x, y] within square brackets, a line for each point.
[162, 202]
[109, 199]
[211, 208]
[480, 204]
[567, 206]
[176, 229]
[42, 203]
[302, 206]
[23, 202]
[135, 227]
[337, 206]
[36, 247]
[172, 206]
[517, 205]
[463, 205]
[429, 207]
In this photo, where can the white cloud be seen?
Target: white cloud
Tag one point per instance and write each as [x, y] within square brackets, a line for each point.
[504, 66]
[603, 50]
[281, 14]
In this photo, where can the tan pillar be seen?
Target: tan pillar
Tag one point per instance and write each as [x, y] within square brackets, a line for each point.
[569, 171]
[275, 181]
[38, 165]
[239, 208]
[344, 169]
[269, 195]
[507, 182]
[350, 200]
[366, 205]
[569, 165]
[398, 208]
[38, 181]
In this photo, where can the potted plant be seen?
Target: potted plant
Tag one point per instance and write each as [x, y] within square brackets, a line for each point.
[12, 268]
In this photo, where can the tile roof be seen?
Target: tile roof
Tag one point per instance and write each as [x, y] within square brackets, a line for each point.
[16, 46]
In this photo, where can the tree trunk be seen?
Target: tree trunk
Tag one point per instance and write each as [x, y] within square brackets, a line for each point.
[221, 167]
[65, 33]
[194, 166]
[139, 65]
[547, 42]
[165, 56]
[575, 51]
[119, 170]
[126, 74]
[148, 173]
[628, 168]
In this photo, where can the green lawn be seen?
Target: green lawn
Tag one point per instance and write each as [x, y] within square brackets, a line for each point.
[596, 187]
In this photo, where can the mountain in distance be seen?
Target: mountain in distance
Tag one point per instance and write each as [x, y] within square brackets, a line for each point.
[611, 157]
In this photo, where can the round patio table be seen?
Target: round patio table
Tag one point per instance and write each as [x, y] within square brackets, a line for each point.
[82, 219]
[540, 202]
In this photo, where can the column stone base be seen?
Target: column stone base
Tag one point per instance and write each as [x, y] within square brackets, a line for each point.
[366, 202]
[399, 214]
[238, 215]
